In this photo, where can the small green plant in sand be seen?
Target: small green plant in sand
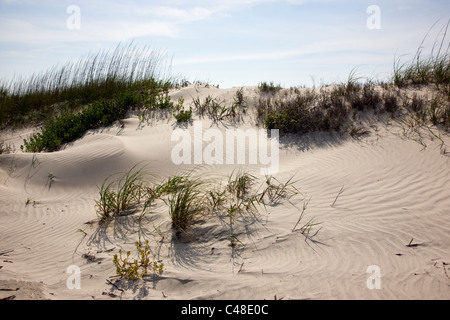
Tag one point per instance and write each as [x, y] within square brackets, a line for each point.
[30, 201]
[238, 106]
[217, 198]
[217, 110]
[275, 191]
[137, 268]
[182, 115]
[200, 107]
[120, 194]
[306, 228]
[240, 183]
[185, 205]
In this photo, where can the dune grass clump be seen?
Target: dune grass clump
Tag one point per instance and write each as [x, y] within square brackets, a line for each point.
[218, 111]
[74, 84]
[239, 105]
[424, 70]
[184, 115]
[240, 200]
[118, 195]
[391, 102]
[93, 92]
[269, 87]
[212, 108]
[189, 199]
[240, 183]
[368, 99]
[305, 112]
[330, 108]
[173, 184]
[185, 205]
[333, 108]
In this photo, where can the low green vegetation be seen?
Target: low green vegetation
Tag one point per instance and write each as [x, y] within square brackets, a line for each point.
[137, 268]
[69, 87]
[268, 87]
[187, 198]
[334, 108]
[93, 92]
[71, 126]
[218, 110]
[181, 114]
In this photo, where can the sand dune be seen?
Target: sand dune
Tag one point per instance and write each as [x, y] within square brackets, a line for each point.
[394, 191]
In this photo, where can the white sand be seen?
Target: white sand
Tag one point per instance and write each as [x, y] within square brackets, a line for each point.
[394, 191]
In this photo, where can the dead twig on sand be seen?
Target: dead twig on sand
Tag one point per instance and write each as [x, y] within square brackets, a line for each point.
[339, 193]
[6, 252]
[241, 267]
[445, 271]
[412, 245]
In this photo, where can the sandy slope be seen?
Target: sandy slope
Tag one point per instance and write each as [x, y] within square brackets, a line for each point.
[394, 191]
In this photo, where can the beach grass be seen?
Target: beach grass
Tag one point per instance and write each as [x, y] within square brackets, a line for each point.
[66, 101]
[185, 205]
[99, 76]
[423, 69]
[98, 89]
[120, 194]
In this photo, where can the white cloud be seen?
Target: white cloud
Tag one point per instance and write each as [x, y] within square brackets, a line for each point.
[176, 15]
[268, 55]
[295, 1]
[113, 21]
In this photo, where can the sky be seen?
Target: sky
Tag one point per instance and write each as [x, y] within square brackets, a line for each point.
[228, 42]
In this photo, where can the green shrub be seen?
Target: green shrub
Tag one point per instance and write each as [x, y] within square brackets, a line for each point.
[128, 99]
[292, 115]
[71, 126]
[184, 115]
[164, 102]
